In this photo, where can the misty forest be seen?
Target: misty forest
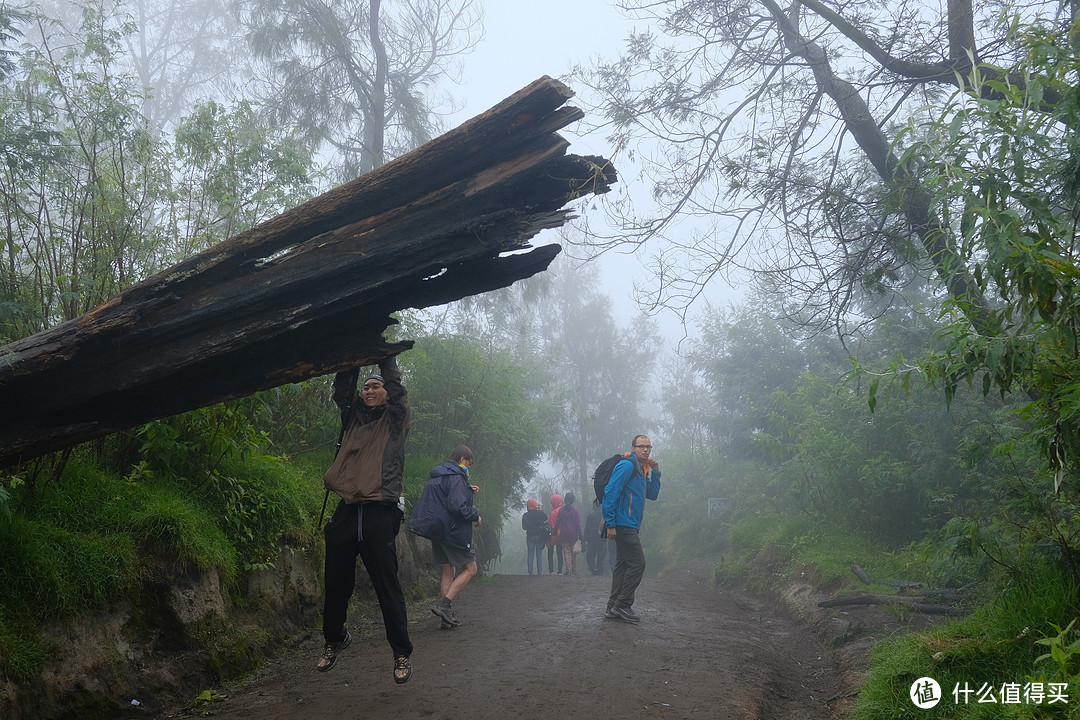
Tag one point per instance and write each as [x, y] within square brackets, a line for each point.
[894, 188]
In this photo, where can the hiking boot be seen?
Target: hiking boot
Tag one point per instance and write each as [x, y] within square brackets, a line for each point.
[328, 658]
[445, 613]
[625, 614]
[402, 669]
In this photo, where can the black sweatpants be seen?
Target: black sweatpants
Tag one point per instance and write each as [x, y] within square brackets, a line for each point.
[369, 531]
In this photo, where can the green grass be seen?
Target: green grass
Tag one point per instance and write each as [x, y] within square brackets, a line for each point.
[766, 550]
[22, 651]
[175, 530]
[688, 539]
[998, 643]
[79, 542]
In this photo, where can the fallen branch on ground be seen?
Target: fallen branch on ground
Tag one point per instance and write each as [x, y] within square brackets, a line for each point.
[915, 602]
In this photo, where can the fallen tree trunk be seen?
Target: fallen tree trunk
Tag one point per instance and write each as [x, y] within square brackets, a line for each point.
[915, 603]
[861, 574]
[870, 600]
[311, 291]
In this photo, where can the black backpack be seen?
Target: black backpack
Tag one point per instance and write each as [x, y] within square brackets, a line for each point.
[601, 476]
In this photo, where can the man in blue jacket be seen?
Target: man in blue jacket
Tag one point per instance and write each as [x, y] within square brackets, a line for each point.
[634, 479]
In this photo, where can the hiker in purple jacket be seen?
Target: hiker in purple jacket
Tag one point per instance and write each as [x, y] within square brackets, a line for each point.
[568, 528]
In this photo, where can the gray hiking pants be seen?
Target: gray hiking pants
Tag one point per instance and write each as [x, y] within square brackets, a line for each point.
[629, 567]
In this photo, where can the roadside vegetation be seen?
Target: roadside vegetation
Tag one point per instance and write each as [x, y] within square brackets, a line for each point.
[1012, 637]
[900, 392]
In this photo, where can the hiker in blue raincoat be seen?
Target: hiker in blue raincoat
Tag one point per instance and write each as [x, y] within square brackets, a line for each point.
[445, 515]
[635, 479]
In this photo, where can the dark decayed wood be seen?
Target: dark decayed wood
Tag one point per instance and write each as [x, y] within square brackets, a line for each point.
[310, 291]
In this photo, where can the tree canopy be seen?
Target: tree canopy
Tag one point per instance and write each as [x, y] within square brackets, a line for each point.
[843, 152]
[359, 76]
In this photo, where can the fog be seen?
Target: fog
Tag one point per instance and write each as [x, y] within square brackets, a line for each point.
[777, 189]
[833, 286]
[524, 41]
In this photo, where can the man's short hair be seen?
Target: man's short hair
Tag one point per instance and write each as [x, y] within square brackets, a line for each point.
[634, 441]
[461, 452]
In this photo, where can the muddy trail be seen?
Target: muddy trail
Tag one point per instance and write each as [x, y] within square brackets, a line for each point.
[539, 647]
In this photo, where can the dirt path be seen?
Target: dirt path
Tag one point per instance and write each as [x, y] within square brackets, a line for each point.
[539, 647]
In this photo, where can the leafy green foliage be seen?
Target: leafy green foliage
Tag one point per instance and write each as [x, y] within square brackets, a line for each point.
[195, 498]
[95, 196]
[299, 418]
[1064, 651]
[77, 181]
[218, 456]
[461, 392]
[232, 171]
[996, 644]
[1002, 162]
[768, 423]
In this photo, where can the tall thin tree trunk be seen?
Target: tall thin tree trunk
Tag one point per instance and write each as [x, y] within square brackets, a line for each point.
[375, 128]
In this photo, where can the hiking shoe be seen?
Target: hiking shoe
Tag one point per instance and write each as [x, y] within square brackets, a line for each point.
[328, 658]
[445, 613]
[402, 669]
[609, 613]
[625, 614]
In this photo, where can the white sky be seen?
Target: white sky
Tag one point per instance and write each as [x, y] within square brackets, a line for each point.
[526, 40]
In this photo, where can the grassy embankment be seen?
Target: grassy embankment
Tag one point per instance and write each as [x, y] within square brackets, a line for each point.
[1010, 641]
[76, 543]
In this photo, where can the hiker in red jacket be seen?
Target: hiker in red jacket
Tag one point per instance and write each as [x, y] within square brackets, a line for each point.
[553, 541]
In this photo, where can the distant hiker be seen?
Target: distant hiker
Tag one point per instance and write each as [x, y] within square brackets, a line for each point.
[553, 541]
[568, 527]
[534, 523]
[633, 480]
[595, 546]
[366, 474]
[445, 515]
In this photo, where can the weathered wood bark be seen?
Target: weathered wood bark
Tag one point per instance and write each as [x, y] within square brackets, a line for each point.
[861, 574]
[871, 600]
[309, 292]
[915, 603]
